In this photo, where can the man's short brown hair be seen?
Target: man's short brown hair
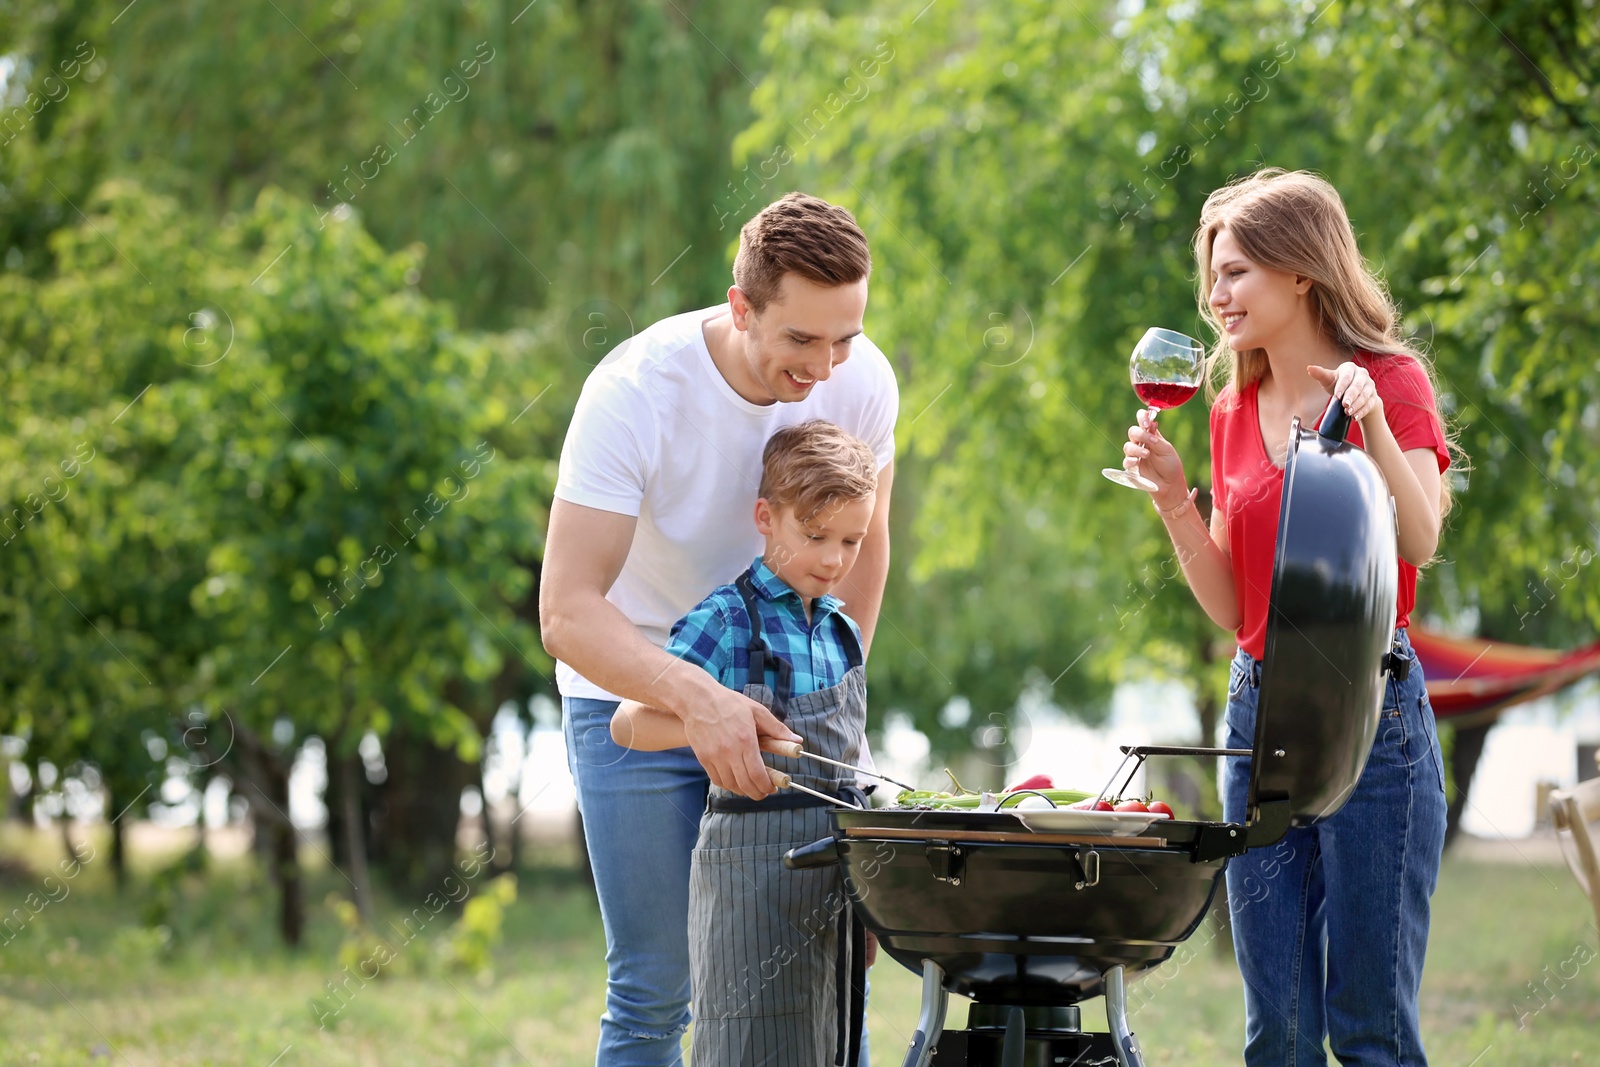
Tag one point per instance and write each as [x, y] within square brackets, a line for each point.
[804, 235]
[814, 467]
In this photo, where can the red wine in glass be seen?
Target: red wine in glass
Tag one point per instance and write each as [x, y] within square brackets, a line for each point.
[1164, 394]
[1165, 368]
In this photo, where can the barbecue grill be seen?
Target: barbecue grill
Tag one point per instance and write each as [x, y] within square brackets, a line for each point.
[1030, 916]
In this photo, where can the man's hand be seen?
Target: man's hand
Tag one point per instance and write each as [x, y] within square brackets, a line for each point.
[725, 729]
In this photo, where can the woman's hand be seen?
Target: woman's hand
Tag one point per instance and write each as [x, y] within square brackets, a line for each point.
[1352, 386]
[1413, 477]
[1206, 566]
[1157, 460]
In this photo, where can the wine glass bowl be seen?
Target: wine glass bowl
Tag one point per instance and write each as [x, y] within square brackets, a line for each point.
[1162, 395]
[1166, 369]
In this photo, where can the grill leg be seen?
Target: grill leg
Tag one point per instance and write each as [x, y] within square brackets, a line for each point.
[930, 1024]
[1117, 1015]
[1015, 1046]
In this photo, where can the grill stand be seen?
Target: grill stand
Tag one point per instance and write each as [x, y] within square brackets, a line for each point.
[978, 1047]
[930, 1024]
[1117, 1016]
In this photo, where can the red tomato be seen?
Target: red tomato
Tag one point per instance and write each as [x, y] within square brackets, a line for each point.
[1132, 805]
[1103, 805]
[1038, 781]
[1161, 807]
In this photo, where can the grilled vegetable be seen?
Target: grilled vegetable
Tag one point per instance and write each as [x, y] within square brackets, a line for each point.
[927, 799]
[1060, 798]
[961, 797]
[972, 801]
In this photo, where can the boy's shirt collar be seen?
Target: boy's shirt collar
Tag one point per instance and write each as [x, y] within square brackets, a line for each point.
[771, 587]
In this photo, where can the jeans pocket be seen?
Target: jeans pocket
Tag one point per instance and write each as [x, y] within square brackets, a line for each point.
[587, 728]
[1429, 730]
[1237, 676]
[1392, 743]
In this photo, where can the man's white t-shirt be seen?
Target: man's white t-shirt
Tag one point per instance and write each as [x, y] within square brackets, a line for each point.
[660, 434]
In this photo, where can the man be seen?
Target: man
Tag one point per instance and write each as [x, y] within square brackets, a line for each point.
[658, 477]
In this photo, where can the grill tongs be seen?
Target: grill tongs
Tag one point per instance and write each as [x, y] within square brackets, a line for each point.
[794, 750]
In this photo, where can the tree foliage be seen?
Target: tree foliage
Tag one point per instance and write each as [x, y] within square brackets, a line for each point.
[567, 155]
[307, 499]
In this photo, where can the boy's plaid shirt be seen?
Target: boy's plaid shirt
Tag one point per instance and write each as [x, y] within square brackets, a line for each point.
[716, 634]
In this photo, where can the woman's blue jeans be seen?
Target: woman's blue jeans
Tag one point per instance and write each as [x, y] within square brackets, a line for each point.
[1330, 925]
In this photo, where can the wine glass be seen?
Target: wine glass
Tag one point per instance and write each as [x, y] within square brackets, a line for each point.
[1165, 368]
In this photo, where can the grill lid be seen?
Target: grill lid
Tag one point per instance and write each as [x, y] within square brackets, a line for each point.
[1334, 590]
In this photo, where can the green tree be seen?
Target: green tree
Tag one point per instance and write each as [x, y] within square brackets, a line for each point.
[333, 460]
[570, 158]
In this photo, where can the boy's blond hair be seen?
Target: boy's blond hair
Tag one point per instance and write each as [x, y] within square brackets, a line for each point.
[814, 466]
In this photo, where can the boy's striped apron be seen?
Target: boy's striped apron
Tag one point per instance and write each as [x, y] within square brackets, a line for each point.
[773, 979]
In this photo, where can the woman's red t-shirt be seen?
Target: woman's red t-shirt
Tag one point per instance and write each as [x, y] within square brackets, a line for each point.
[1248, 487]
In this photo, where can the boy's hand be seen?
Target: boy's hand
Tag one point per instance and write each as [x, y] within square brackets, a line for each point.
[724, 730]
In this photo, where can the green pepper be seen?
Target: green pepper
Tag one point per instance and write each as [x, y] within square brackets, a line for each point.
[908, 798]
[1059, 797]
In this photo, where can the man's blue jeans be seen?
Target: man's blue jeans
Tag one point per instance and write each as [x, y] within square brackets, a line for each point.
[1330, 925]
[641, 817]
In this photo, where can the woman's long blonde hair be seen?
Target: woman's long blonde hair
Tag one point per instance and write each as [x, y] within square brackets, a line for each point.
[1295, 221]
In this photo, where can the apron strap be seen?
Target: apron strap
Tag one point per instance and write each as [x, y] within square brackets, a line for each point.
[784, 682]
[858, 985]
[850, 974]
[848, 636]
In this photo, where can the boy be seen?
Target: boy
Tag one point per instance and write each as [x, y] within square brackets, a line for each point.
[764, 942]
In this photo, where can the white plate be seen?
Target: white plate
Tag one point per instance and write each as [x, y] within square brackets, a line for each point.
[1075, 820]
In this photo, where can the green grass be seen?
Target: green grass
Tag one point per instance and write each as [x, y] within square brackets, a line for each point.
[89, 981]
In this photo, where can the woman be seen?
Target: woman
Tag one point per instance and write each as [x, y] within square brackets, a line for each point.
[1331, 926]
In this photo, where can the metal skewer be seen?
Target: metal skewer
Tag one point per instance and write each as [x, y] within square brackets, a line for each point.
[793, 750]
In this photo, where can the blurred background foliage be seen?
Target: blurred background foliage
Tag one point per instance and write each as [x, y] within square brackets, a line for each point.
[297, 299]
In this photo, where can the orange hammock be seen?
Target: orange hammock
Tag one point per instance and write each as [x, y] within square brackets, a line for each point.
[1471, 681]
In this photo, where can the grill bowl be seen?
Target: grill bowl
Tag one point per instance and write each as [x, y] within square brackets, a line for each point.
[1009, 923]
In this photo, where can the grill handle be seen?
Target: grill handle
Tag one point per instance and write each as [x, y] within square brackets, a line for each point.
[1335, 424]
[824, 853]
